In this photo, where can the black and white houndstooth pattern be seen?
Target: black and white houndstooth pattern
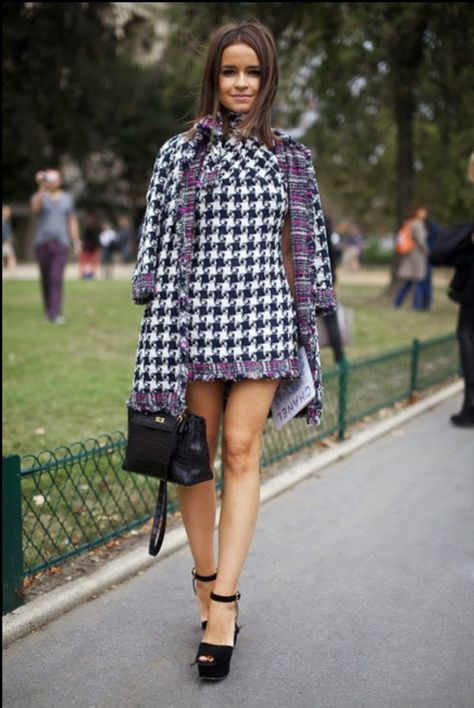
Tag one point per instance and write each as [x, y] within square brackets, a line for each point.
[167, 268]
[241, 308]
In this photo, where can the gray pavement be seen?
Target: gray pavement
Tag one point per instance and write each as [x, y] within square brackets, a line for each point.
[357, 593]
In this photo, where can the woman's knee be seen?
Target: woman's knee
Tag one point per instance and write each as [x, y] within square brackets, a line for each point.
[241, 454]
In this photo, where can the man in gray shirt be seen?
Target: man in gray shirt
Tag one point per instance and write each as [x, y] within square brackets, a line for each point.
[56, 225]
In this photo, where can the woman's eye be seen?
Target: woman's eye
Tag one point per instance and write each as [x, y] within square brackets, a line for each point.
[230, 72]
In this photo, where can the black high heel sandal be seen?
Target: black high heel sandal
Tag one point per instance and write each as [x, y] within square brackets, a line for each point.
[202, 579]
[221, 654]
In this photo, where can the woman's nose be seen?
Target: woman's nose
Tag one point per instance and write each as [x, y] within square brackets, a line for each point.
[241, 80]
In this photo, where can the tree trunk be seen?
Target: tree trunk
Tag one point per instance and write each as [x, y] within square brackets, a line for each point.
[404, 110]
[405, 52]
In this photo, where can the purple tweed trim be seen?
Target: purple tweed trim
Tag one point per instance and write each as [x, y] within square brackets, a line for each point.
[155, 401]
[185, 234]
[235, 371]
[325, 301]
[308, 237]
[143, 288]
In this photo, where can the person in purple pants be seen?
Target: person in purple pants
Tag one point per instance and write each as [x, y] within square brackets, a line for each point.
[56, 226]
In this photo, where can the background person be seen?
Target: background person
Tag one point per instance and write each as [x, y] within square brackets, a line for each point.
[352, 245]
[90, 254]
[423, 297]
[412, 266]
[125, 237]
[56, 227]
[109, 244]
[8, 250]
[331, 320]
[455, 248]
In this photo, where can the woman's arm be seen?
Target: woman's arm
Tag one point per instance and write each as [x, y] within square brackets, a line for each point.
[37, 200]
[287, 253]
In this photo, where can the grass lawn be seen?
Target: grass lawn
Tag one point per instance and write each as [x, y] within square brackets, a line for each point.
[67, 383]
[378, 327]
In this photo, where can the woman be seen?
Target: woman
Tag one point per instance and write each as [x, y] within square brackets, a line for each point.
[413, 265]
[233, 212]
[56, 226]
[90, 253]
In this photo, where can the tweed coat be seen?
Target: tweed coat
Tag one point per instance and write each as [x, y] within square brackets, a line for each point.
[161, 275]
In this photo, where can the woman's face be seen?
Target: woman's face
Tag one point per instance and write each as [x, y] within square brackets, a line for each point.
[239, 78]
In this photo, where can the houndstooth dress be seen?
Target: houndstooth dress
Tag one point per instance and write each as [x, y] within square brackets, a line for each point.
[242, 320]
[209, 269]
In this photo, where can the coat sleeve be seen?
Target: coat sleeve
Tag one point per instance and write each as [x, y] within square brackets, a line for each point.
[144, 275]
[322, 284]
[420, 235]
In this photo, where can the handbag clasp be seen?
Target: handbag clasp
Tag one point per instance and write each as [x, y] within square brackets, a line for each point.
[182, 416]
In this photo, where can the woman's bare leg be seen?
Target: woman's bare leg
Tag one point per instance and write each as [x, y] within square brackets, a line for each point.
[244, 421]
[198, 503]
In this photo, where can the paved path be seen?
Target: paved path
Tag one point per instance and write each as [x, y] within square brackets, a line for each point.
[364, 276]
[358, 593]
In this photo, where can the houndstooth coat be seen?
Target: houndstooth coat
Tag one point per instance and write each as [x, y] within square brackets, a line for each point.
[160, 279]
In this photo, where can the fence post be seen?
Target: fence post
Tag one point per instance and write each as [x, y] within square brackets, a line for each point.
[342, 402]
[415, 358]
[12, 547]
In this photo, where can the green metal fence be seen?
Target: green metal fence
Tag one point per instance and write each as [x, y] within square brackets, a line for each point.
[58, 504]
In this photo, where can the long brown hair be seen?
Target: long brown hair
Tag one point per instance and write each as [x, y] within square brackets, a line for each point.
[252, 32]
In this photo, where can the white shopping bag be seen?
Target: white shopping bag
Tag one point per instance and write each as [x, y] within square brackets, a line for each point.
[293, 394]
[345, 321]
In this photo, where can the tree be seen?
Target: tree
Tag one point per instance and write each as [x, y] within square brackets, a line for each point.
[392, 86]
[380, 91]
[74, 96]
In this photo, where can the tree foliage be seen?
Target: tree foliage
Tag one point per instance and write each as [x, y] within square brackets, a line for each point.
[382, 93]
[73, 94]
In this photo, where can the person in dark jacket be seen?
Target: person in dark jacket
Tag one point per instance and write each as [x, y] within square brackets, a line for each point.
[455, 247]
[331, 321]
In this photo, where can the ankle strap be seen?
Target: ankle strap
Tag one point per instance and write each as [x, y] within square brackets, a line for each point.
[203, 578]
[225, 598]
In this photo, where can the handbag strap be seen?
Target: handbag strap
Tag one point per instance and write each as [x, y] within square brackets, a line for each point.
[159, 521]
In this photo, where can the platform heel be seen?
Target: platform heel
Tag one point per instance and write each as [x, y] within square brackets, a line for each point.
[219, 667]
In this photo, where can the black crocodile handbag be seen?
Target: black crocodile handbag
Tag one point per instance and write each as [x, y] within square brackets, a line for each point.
[171, 449]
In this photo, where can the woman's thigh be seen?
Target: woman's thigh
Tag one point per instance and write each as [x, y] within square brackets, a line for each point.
[245, 415]
[205, 398]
